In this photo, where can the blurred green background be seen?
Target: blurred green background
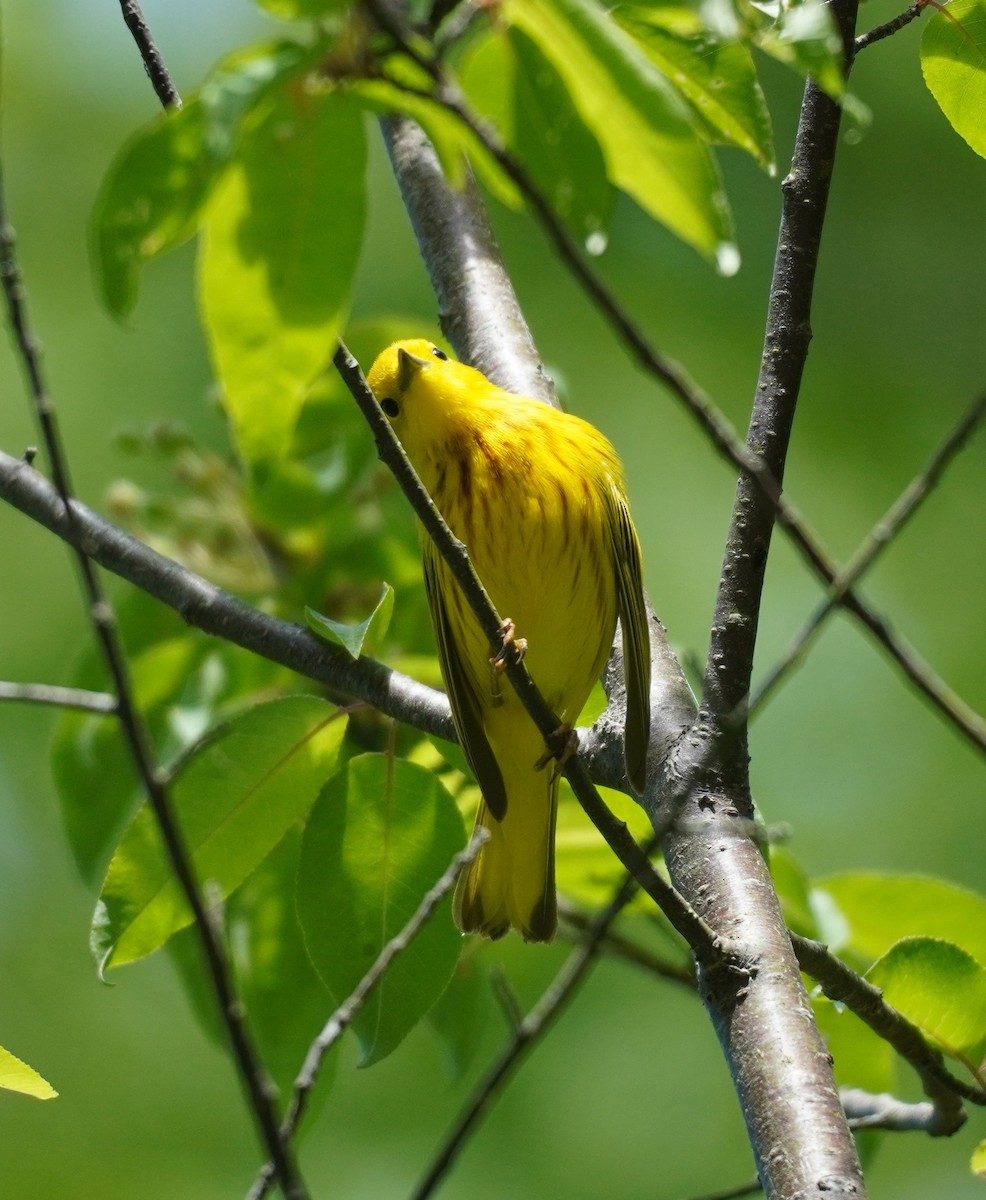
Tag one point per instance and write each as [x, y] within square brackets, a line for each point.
[629, 1096]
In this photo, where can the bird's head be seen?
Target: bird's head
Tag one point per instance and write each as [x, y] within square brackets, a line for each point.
[425, 395]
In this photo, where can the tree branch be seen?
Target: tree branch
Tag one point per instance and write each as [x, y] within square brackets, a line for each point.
[800, 1138]
[530, 1030]
[207, 607]
[706, 945]
[253, 1077]
[157, 72]
[843, 985]
[60, 697]
[344, 1014]
[890, 27]
[763, 1017]
[879, 538]
[464, 264]
[757, 470]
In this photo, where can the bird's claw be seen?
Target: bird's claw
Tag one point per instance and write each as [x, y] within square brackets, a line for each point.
[561, 746]
[507, 632]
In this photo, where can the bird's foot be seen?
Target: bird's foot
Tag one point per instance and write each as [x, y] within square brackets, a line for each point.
[508, 636]
[560, 746]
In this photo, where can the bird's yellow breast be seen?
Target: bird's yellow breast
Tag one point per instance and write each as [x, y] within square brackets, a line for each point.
[523, 487]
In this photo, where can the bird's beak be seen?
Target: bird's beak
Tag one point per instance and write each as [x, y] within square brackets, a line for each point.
[407, 367]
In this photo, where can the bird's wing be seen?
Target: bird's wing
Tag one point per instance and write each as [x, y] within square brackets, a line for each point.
[636, 639]
[462, 696]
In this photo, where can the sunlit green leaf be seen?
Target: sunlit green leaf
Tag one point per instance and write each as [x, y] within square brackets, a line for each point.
[234, 798]
[381, 834]
[455, 144]
[155, 191]
[276, 981]
[150, 201]
[510, 81]
[17, 1076]
[939, 987]
[802, 36]
[586, 868]
[365, 637]
[977, 1162]
[953, 62]
[651, 147]
[879, 910]
[281, 239]
[717, 78]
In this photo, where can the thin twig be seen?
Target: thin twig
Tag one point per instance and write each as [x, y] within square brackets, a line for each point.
[624, 948]
[876, 542]
[842, 984]
[889, 27]
[252, 1074]
[59, 697]
[344, 1014]
[157, 72]
[868, 1110]
[537, 1022]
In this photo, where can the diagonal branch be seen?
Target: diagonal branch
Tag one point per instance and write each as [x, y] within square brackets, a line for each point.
[879, 538]
[253, 1076]
[843, 985]
[763, 1016]
[531, 1029]
[59, 697]
[757, 471]
[207, 607]
[706, 945]
[154, 65]
[343, 1016]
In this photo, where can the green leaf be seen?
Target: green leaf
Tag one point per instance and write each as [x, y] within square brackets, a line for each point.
[367, 636]
[652, 150]
[286, 1000]
[977, 1162]
[716, 77]
[802, 36]
[17, 1076]
[455, 144]
[878, 910]
[939, 987]
[510, 81]
[281, 240]
[380, 835]
[461, 1015]
[234, 799]
[155, 191]
[586, 869]
[953, 62]
[150, 202]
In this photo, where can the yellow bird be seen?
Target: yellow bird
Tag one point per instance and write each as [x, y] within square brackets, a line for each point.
[537, 497]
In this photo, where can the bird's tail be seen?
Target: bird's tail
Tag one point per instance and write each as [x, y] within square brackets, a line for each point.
[511, 882]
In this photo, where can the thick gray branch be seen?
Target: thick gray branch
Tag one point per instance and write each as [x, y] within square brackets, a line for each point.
[209, 608]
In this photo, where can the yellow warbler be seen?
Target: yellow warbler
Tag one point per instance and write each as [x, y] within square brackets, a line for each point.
[537, 498]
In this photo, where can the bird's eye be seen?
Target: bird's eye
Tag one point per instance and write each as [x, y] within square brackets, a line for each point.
[390, 406]
[439, 353]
